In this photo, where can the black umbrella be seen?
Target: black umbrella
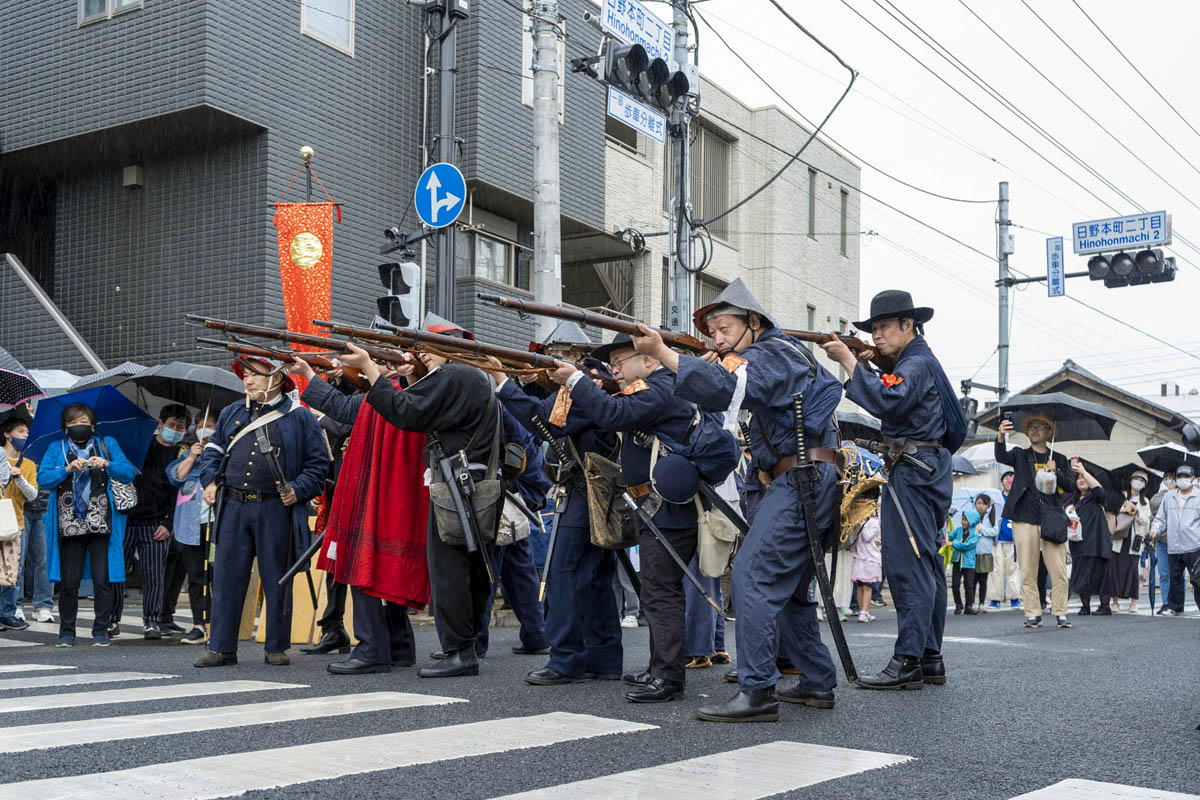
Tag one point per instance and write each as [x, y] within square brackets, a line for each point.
[857, 425]
[1122, 475]
[1168, 456]
[962, 465]
[16, 384]
[1074, 420]
[196, 385]
[112, 377]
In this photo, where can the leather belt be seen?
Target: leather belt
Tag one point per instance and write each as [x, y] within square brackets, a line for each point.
[639, 491]
[827, 454]
[250, 497]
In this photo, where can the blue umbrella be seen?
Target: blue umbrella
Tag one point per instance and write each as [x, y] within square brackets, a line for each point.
[962, 465]
[965, 498]
[116, 416]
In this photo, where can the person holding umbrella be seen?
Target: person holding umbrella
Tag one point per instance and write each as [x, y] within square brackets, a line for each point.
[1179, 518]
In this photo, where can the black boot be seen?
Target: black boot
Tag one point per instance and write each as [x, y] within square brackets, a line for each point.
[549, 677]
[356, 666]
[637, 678]
[334, 640]
[731, 675]
[933, 669]
[659, 690]
[454, 665]
[902, 672]
[808, 697]
[759, 705]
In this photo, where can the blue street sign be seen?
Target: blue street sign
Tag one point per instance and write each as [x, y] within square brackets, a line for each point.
[1056, 276]
[633, 23]
[1131, 232]
[637, 115]
[439, 195]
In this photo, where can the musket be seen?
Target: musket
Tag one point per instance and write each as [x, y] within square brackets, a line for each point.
[416, 340]
[352, 375]
[855, 344]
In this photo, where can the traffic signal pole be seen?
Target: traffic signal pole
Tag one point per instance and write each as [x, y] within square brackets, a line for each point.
[547, 253]
[451, 11]
[681, 210]
[1003, 249]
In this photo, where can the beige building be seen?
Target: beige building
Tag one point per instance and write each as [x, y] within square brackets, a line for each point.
[796, 245]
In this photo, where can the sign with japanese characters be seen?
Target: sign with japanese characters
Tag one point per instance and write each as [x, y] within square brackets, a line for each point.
[633, 23]
[1056, 276]
[637, 115]
[1132, 232]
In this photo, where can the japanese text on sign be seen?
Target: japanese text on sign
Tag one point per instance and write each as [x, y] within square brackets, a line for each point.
[1136, 231]
[1056, 278]
[638, 116]
[633, 23]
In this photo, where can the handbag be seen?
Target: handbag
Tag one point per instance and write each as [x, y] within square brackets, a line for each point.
[716, 536]
[514, 526]
[612, 524]
[1054, 524]
[124, 494]
[10, 530]
[1120, 525]
[485, 500]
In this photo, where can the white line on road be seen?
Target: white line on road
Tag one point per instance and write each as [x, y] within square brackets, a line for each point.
[237, 773]
[1094, 790]
[17, 643]
[752, 772]
[30, 667]
[952, 639]
[140, 726]
[77, 678]
[137, 694]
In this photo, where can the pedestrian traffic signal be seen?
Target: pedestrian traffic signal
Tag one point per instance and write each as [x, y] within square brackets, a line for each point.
[1122, 269]
[402, 304]
[630, 69]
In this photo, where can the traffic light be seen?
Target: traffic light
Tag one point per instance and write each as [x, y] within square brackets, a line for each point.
[630, 69]
[1122, 269]
[402, 304]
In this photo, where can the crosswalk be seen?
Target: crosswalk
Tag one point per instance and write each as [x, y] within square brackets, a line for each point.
[128, 713]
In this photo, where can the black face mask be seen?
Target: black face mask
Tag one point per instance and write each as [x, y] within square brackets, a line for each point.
[79, 434]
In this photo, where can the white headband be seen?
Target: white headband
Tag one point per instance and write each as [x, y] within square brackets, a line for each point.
[726, 311]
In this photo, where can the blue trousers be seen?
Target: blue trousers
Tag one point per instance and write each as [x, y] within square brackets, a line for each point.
[581, 611]
[248, 530]
[514, 568]
[771, 576]
[1159, 564]
[704, 628]
[384, 631]
[917, 581]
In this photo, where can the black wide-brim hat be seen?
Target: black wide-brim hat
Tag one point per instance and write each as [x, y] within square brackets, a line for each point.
[604, 352]
[892, 303]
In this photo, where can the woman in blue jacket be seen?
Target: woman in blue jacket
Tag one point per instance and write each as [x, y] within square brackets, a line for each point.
[964, 540]
[82, 520]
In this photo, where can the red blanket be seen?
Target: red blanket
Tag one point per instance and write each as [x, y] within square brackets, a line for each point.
[378, 514]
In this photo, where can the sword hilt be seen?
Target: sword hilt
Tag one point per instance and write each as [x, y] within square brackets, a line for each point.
[801, 443]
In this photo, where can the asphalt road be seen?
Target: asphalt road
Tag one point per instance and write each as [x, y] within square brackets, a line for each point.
[1112, 700]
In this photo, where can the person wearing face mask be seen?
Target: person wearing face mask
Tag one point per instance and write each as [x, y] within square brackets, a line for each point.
[150, 522]
[21, 488]
[1004, 585]
[1179, 518]
[1158, 543]
[82, 521]
[189, 543]
[1121, 580]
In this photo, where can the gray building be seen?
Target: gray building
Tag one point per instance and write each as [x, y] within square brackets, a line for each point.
[142, 143]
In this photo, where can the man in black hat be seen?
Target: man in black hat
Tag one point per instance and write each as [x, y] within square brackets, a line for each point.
[758, 368]
[646, 404]
[921, 422]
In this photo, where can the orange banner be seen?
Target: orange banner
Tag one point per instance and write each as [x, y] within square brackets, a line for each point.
[305, 263]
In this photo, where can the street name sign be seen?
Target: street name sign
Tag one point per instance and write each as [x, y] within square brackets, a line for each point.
[637, 115]
[439, 195]
[633, 23]
[1056, 277]
[1130, 232]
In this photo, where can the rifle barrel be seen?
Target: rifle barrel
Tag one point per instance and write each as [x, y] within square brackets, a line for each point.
[406, 337]
[292, 337]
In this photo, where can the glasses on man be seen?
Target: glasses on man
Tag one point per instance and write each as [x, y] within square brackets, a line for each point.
[1037, 426]
[618, 362]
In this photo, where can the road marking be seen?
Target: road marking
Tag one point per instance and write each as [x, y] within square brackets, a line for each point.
[140, 726]
[1094, 790]
[749, 773]
[77, 678]
[237, 773]
[30, 667]
[952, 639]
[137, 694]
[17, 643]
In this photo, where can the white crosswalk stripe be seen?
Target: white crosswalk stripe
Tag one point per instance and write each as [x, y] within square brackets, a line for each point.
[137, 694]
[77, 678]
[747, 774]
[31, 667]
[237, 773]
[17, 643]
[1094, 790]
[90, 731]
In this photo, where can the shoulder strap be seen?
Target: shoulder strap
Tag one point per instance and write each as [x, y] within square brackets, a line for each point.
[265, 419]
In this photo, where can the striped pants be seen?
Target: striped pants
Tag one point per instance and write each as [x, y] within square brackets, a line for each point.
[152, 561]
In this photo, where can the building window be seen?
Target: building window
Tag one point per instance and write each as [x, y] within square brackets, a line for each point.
[492, 259]
[620, 133]
[527, 68]
[330, 22]
[95, 10]
[709, 156]
[844, 208]
[812, 203]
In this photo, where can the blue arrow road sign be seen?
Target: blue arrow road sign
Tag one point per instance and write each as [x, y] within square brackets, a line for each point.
[439, 195]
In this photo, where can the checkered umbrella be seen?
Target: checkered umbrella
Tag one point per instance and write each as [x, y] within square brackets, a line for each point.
[16, 385]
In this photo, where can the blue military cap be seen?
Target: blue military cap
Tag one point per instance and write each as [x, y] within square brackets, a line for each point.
[676, 478]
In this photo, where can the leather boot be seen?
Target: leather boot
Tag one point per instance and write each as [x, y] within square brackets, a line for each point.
[549, 677]
[731, 675]
[759, 705]
[331, 641]
[637, 678]
[356, 666]
[809, 697]
[902, 672]
[933, 669]
[659, 690]
[460, 663]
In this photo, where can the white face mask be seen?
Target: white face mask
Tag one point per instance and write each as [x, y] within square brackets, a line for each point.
[1184, 484]
[1138, 485]
[203, 434]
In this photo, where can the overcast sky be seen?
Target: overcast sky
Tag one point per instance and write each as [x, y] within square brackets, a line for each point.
[905, 121]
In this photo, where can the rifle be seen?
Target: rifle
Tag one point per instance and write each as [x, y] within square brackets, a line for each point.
[856, 345]
[418, 340]
[305, 339]
[353, 375]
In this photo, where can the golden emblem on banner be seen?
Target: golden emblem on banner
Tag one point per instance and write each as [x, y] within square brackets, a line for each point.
[306, 250]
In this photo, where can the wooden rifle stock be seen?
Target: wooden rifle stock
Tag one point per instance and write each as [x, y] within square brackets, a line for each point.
[856, 345]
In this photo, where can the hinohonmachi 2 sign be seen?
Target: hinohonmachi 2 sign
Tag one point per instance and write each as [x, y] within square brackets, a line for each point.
[1130, 232]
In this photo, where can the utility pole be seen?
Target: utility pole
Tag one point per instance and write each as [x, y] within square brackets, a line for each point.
[547, 257]
[1004, 248]
[681, 211]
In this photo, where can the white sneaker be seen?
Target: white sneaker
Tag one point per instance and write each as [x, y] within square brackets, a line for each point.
[629, 622]
[865, 616]
[43, 615]
[20, 613]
